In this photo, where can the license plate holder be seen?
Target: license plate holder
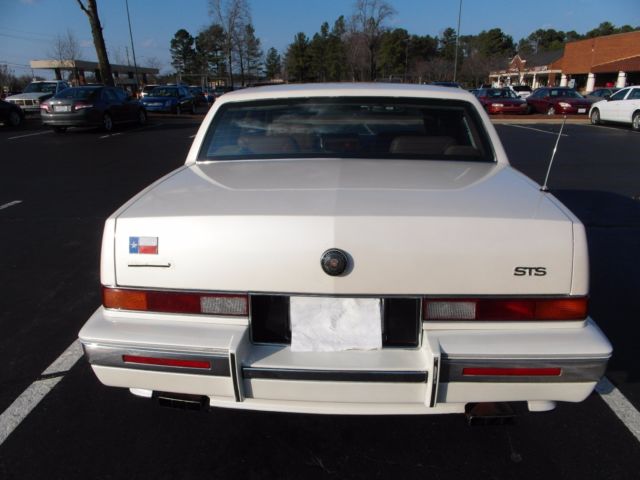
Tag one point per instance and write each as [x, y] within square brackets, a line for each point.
[334, 324]
[582, 110]
[61, 108]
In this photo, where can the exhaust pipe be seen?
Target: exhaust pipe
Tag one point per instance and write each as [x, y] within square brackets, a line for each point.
[182, 401]
[490, 413]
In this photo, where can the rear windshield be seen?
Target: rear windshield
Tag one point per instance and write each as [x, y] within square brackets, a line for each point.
[78, 93]
[388, 128]
[164, 92]
[44, 87]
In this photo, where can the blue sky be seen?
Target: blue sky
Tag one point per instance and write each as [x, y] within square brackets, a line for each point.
[27, 27]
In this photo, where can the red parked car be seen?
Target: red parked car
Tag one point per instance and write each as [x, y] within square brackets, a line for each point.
[552, 100]
[501, 100]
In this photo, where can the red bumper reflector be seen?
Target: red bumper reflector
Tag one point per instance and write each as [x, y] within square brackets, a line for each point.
[167, 362]
[511, 372]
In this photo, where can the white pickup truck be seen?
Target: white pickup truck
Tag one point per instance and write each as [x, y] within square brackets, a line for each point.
[346, 249]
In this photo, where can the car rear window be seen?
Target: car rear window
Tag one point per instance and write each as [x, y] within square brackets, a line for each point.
[389, 128]
[77, 93]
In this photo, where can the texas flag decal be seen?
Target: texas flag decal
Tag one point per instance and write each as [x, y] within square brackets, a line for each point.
[148, 245]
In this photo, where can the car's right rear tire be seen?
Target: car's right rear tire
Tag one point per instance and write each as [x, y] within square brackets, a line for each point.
[551, 110]
[107, 122]
[595, 117]
[635, 122]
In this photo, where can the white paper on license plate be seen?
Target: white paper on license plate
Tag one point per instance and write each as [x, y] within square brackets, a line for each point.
[320, 324]
[61, 108]
[582, 110]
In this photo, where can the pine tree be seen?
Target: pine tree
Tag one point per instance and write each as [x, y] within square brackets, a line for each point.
[273, 64]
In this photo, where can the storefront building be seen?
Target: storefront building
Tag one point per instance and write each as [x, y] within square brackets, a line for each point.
[613, 61]
[536, 70]
[609, 61]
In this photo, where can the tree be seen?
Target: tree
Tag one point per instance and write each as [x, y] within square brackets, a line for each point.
[393, 57]
[183, 55]
[336, 56]
[368, 20]
[297, 58]
[273, 64]
[232, 16]
[318, 50]
[209, 50]
[495, 42]
[252, 52]
[65, 49]
[91, 11]
[447, 44]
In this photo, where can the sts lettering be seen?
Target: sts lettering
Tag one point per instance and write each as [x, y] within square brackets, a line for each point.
[529, 271]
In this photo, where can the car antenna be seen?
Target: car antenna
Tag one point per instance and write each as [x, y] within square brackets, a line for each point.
[544, 187]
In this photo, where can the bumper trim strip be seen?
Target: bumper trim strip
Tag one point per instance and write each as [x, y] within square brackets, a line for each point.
[368, 376]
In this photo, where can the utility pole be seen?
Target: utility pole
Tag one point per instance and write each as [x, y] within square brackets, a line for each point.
[455, 62]
[133, 50]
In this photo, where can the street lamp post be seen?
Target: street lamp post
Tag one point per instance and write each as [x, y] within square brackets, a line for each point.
[133, 50]
[455, 62]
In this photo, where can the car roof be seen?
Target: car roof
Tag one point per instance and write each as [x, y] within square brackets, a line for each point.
[301, 90]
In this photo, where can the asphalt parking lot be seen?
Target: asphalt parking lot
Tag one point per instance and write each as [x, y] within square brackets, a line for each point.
[56, 191]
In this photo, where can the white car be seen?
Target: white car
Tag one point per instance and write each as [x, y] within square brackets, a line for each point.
[35, 93]
[347, 249]
[621, 107]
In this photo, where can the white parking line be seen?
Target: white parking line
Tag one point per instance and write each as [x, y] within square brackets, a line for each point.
[622, 407]
[192, 136]
[10, 204]
[532, 128]
[30, 135]
[29, 399]
[111, 135]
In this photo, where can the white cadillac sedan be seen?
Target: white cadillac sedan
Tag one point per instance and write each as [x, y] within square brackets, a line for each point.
[621, 107]
[347, 249]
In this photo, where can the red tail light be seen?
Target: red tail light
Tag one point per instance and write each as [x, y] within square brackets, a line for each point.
[505, 309]
[45, 107]
[175, 302]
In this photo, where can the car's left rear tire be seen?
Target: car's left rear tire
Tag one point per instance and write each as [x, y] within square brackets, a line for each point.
[15, 119]
[635, 122]
[595, 117]
[551, 110]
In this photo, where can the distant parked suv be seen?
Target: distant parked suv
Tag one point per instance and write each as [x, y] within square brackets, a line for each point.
[36, 93]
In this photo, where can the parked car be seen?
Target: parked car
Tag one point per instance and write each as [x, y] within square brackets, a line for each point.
[147, 89]
[600, 94]
[221, 90]
[501, 100]
[621, 107]
[199, 97]
[446, 84]
[346, 248]
[552, 100]
[170, 98]
[523, 91]
[91, 106]
[35, 93]
[10, 114]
